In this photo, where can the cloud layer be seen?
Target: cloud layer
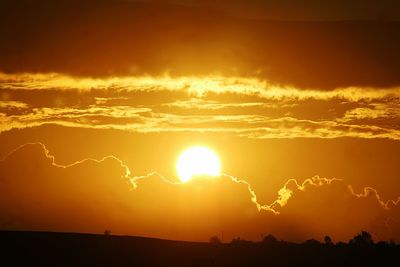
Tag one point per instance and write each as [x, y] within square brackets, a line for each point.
[244, 106]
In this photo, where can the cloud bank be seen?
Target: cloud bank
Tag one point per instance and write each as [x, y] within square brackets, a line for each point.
[110, 195]
[117, 38]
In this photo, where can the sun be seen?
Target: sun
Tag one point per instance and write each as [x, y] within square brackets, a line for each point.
[197, 160]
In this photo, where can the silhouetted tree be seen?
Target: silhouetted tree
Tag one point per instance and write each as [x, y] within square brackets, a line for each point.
[328, 240]
[107, 232]
[215, 239]
[362, 239]
[270, 239]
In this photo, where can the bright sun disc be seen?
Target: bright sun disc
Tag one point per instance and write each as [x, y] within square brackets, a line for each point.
[197, 161]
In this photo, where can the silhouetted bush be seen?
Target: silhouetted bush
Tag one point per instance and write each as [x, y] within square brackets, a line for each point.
[363, 239]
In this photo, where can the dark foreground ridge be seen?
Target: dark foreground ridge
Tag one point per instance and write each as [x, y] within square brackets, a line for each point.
[71, 249]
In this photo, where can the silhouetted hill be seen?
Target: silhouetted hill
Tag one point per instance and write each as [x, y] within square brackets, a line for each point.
[70, 249]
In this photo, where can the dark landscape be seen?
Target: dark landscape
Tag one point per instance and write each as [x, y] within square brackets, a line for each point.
[73, 249]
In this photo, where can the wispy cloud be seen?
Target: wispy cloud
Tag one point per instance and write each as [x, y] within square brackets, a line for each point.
[198, 86]
[370, 191]
[145, 121]
[12, 105]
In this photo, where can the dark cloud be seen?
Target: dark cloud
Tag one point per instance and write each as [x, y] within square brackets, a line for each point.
[102, 38]
[301, 10]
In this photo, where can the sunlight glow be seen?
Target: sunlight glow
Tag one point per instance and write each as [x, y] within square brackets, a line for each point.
[196, 161]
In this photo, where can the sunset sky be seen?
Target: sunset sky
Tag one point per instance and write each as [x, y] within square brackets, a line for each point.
[300, 103]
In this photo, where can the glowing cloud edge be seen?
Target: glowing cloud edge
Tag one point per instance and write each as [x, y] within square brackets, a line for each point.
[284, 194]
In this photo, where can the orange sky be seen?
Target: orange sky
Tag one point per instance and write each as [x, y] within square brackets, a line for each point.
[98, 100]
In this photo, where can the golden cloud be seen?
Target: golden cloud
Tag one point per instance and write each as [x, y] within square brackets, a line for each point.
[243, 106]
